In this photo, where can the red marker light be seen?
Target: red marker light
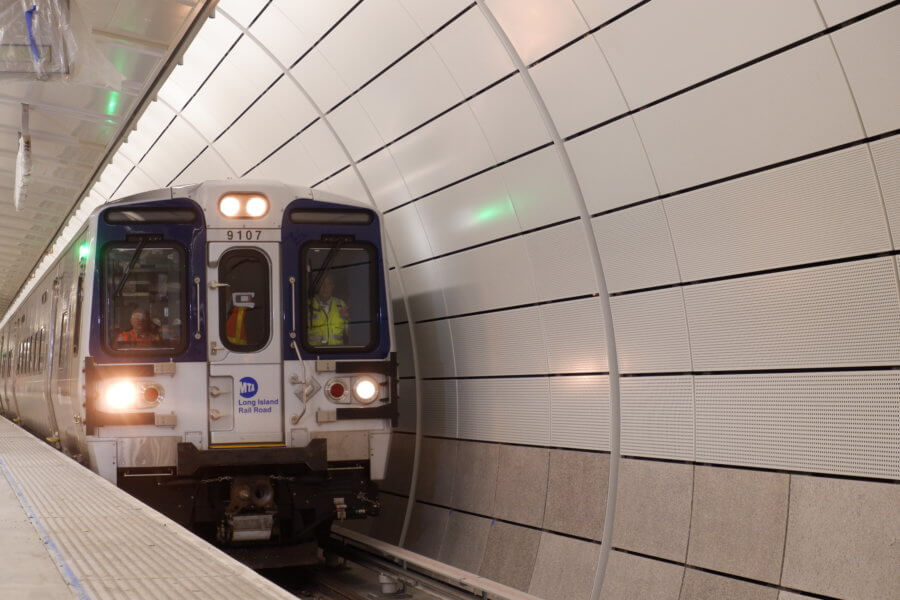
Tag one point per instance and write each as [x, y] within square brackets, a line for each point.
[151, 395]
[336, 390]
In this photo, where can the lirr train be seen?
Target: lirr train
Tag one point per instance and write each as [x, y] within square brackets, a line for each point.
[222, 351]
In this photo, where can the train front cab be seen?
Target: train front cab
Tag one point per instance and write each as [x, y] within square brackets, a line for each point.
[239, 431]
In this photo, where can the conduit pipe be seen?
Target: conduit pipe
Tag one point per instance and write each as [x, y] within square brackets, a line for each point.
[412, 330]
[597, 263]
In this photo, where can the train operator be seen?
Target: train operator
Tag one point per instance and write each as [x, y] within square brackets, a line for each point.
[142, 332]
[329, 318]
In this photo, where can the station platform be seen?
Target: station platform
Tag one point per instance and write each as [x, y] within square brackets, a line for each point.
[66, 532]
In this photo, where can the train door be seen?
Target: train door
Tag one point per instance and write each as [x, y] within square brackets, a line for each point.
[245, 404]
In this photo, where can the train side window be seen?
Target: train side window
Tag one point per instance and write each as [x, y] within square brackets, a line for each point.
[63, 341]
[143, 298]
[39, 355]
[244, 305]
[339, 303]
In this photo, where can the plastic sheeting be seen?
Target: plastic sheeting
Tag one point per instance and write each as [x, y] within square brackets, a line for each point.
[48, 40]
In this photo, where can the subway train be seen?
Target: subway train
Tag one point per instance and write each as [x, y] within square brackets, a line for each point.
[222, 351]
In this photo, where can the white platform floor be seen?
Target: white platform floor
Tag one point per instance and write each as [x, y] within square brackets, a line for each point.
[68, 533]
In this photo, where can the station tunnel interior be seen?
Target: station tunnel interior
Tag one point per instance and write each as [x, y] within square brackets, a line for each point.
[722, 178]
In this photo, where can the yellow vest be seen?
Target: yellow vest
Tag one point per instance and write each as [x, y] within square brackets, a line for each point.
[326, 328]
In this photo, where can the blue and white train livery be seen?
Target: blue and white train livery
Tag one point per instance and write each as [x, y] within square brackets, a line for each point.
[223, 351]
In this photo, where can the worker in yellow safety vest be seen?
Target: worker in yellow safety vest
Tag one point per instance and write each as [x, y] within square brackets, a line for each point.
[329, 316]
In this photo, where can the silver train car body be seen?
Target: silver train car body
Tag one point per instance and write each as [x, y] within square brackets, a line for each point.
[230, 406]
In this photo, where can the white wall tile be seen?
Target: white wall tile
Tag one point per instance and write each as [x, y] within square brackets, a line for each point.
[539, 190]
[658, 417]
[871, 59]
[597, 12]
[155, 119]
[492, 276]
[578, 87]
[562, 263]
[443, 151]
[822, 208]
[439, 408]
[237, 82]
[636, 248]
[354, 126]
[404, 351]
[200, 58]
[837, 315]
[823, 422]
[347, 184]
[472, 52]
[280, 114]
[886, 154]
[576, 340]
[323, 148]
[471, 212]
[243, 11]
[414, 90]
[396, 297]
[536, 27]
[282, 37]
[430, 15]
[505, 410]
[499, 343]
[836, 11]
[135, 183]
[651, 332]
[207, 166]
[320, 80]
[425, 288]
[579, 412]
[769, 112]
[435, 349]
[405, 229]
[384, 180]
[611, 166]
[374, 34]
[290, 164]
[665, 46]
[509, 119]
[174, 150]
[313, 18]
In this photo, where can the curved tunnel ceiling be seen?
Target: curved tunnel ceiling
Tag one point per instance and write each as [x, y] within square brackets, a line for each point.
[741, 166]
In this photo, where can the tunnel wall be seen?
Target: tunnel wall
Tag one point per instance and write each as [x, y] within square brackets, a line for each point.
[740, 163]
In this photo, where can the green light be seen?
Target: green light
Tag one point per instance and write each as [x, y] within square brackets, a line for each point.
[492, 212]
[112, 103]
[84, 250]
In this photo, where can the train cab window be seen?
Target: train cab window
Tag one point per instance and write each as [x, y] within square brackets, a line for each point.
[340, 297]
[144, 308]
[244, 305]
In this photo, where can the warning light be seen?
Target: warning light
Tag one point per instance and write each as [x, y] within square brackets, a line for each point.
[84, 250]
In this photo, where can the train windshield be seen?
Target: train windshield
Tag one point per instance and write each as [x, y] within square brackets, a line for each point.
[244, 301]
[144, 298]
[340, 297]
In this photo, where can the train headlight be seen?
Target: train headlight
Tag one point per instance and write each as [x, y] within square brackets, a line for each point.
[257, 206]
[365, 389]
[229, 206]
[120, 395]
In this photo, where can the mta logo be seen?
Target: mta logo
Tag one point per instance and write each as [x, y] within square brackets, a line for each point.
[249, 387]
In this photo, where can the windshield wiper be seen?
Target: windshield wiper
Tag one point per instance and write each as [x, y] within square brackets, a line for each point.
[326, 266]
[127, 272]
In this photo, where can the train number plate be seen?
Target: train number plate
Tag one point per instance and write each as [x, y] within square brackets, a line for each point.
[243, 234]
